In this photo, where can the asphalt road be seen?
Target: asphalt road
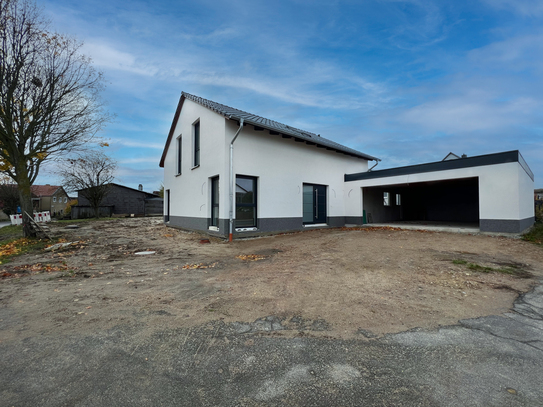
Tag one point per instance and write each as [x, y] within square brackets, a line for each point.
[489, 361]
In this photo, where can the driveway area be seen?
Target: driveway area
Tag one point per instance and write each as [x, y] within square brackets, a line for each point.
[365, 317]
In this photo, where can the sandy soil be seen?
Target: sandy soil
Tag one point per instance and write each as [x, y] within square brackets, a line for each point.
[336, 283]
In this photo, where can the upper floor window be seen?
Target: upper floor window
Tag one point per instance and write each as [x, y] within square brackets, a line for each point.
[196, 159]
[65, 199]
[54, 199]
[179, 151]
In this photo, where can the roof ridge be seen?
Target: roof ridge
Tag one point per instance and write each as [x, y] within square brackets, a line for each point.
[271, 125]
[210, 102]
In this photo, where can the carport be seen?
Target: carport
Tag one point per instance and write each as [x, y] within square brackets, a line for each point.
[493, 192]
[449, 201]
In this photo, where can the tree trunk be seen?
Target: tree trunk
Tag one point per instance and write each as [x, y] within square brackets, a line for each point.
[25, 196]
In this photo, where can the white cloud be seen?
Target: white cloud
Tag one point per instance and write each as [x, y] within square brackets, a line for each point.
[530, 8]
[135, 143]
[106, 56]
[464, 114]
[512, 53]
[141, 160]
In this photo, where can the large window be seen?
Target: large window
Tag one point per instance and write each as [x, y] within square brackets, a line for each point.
[196, 158]
[245, 202]
[314, 204]
[214, 202]
[179, 155]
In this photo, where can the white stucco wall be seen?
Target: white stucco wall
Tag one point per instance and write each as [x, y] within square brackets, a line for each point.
[505, 190]
[284, 165]
[526, 195]
[281, 165]
[190, 191]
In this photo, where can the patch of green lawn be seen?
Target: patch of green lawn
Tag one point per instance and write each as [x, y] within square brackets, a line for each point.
[511, 269]
[11, 248]
[535, 235]
[10, 232]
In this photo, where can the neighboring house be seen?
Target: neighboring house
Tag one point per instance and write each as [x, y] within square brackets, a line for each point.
[451, 156]
[229, 172]
[538, 200]
[50, 198]
[121, 200]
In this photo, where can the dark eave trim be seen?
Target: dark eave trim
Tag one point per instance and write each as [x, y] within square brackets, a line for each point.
[172, 129]
[298, 135]
[477, 161]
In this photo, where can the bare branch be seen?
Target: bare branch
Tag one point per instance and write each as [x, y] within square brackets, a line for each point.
[90, 174]
[49, 95]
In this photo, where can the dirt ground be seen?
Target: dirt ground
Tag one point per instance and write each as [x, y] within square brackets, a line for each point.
[334, 283]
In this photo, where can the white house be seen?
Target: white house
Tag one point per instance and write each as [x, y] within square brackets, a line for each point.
[229, 172]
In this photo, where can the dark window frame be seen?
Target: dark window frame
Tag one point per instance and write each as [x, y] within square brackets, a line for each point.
[168, 206]
[215, 196]
[196, 144]
[253, 204]
[179, 158]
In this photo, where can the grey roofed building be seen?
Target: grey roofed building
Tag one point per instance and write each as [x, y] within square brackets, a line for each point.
[261, 123]
[125, 200]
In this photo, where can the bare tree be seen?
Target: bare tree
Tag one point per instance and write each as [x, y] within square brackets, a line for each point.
[90, 174]
[49, 96]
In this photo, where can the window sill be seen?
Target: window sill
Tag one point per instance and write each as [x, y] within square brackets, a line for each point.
[315, 225]
[196, 166]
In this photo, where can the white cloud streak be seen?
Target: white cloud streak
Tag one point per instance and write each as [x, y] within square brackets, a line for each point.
[529, 8]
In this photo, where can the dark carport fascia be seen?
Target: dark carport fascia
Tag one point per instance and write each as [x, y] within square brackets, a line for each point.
[477, 161]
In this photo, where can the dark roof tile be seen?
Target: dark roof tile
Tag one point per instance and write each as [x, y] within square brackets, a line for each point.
[253, 119]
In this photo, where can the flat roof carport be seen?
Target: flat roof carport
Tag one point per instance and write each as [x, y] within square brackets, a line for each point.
[494, 190]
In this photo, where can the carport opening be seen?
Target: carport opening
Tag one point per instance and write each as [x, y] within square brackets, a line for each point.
[452, 202]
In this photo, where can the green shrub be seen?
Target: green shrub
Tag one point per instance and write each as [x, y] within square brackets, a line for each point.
[535, 234]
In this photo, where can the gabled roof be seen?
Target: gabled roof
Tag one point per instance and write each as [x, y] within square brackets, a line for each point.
[148, 194]
[451, 156]
[44, 190]
[261, 123]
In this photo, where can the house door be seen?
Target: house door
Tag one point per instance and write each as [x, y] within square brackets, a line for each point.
[314, 204]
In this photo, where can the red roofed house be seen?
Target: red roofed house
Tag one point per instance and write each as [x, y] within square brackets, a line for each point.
[50, 198]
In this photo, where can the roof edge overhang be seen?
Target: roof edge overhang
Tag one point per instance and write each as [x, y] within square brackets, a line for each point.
[476, 161]
[172, 129]
[315, 139]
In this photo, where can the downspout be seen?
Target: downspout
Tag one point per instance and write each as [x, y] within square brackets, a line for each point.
[232, 186]
[376, 162]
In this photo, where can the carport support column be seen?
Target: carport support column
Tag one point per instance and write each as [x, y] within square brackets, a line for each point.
[232, 183]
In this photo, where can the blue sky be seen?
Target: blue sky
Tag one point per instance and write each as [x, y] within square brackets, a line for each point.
[405, 81]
